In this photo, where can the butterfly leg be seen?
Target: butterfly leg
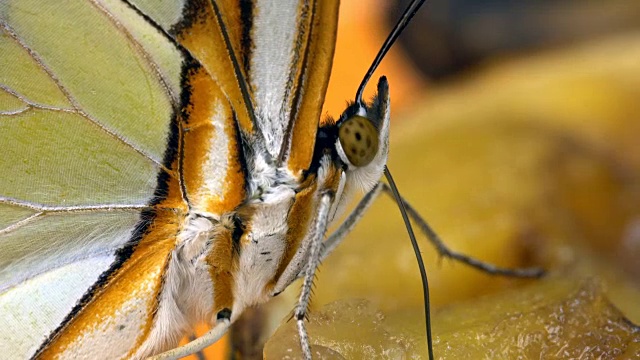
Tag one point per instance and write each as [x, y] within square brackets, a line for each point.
[315, 248]
[198, 355]
[336, 238]
[198, 344]
[444, 251]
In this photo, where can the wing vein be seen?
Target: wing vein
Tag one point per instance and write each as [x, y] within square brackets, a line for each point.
[16, 112]
[76, 107]
[71, 208]
[30, 104]
[20, 223]
[142, 52]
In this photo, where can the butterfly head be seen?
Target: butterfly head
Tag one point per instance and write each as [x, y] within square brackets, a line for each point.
[362, 139]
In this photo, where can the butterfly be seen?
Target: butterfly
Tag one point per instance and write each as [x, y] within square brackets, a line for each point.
[164, 164]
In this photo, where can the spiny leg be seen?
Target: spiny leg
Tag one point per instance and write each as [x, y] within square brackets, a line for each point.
[354, 217]
[444, 251]
[315, 248]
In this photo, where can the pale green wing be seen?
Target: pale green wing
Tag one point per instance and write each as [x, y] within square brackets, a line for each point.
[87, 94]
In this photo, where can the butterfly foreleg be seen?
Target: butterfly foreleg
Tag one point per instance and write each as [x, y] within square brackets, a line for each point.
[315, 248]
[444, 251]
[354, 217]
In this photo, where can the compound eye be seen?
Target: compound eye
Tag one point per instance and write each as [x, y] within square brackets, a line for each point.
[359, 140]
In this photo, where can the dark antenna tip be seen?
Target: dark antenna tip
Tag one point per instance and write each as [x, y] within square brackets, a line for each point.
[416, 250]
[397, 30]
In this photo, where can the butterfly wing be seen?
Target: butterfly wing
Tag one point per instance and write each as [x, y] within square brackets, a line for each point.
[288, 62]
[103, 124]
[84, 120]
[273, 60]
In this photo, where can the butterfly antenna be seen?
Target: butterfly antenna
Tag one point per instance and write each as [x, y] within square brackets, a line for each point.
[416, 250]
[397, 30]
